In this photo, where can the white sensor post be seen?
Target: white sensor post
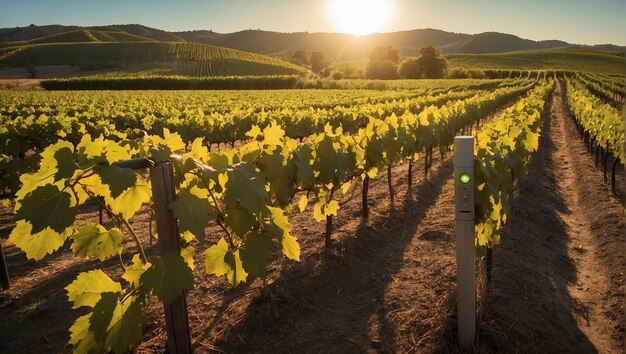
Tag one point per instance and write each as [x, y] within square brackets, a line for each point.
[464, 214]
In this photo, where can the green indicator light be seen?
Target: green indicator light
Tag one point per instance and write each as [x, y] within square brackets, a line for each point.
[464, 178]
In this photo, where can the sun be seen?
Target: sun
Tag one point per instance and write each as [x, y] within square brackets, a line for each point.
[360, 17]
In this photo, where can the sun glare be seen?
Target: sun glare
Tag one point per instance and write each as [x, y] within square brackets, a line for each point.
[360, 17]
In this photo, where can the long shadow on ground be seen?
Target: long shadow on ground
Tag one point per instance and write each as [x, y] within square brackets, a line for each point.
[336, 305]
[528, 307]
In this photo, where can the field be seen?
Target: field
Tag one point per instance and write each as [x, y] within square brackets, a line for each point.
[314, 220]
[604, 62]
[123, 55]
[588, 60]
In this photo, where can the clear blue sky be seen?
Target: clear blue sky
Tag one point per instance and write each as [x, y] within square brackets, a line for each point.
[575, 21]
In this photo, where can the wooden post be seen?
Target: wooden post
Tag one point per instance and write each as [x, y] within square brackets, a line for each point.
[163, 193]
[4, 272]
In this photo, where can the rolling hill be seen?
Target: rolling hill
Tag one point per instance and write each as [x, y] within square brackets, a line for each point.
[569, 59]
[82, 36]
[339, 46]
[136, 49]
[112, 51]
[494, 42]
[33, 32]
[336, 45]
[564, 59]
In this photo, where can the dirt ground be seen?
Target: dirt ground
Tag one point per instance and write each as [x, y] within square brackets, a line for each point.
[388, 285]
[558, 281]
[20, 84]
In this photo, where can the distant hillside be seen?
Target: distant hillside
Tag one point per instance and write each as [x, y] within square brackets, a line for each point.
[339, 46]
[79, 36]
[16, 34]
[494, 42]
[147, 32]
[170, 58]
[562, 59]
[82, 36]
[33, 32]
[138, 49]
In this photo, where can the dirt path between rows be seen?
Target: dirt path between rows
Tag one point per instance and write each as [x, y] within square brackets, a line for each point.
[559, 274]
[591, 289]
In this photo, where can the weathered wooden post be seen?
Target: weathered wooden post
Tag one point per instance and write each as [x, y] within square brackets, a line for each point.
[4, 271]
[163, 193]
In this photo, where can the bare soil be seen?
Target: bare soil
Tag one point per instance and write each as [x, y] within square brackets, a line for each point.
[558, 279]
[20, 84]
[387, 285]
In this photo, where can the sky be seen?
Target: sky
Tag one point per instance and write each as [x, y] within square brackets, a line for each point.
[574, 21]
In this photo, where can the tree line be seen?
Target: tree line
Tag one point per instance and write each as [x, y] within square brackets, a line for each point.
[383, 64]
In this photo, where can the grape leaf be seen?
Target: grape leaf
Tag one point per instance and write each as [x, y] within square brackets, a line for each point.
[167, 276]
[331, 208]
[90, 150]
[117, 179]
[303, 203]
[133, 273]
[160, 153]
[173, 140]
[240, 220]
[93, 240]
[221, 261]
[532, 141]
[82, 339]
[198, 150]
[214, 259]
[280, 229]
[272, 134]
[59, 157]
[47, 206]
[88, 288]
[188, 253]
[37, 245]
[100, 150]
[254, 132]
[116, 324]
[192, 212]
[255, 253]
[131, 200]
[246, 186]
[303, 156]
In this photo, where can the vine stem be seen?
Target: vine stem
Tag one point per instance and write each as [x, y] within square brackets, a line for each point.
[134, 235]
[121, 220]
[220, 213]
[119, 256]
[127, 296]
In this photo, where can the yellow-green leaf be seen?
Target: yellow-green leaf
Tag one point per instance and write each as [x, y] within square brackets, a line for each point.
[303, 203]
[37, 245]
[88, 288]
[93, 240]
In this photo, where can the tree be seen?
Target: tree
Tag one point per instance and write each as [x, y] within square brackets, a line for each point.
[300, 57]
[409, 69]
[31, 70]
[349, 71]
[383, 63]
[337, 75]
[431, 64]
[318, 61]
[382, 70]
[385, 52]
